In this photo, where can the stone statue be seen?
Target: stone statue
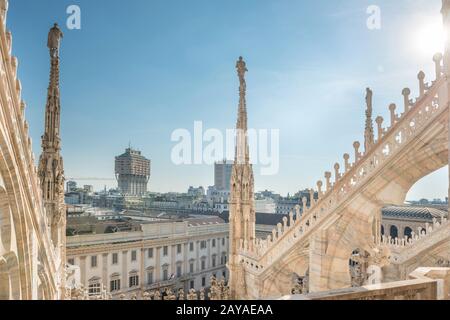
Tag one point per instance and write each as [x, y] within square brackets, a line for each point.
[445, 5]
[202, 294]
[241, 68]
[369, 135]
[192, 295]
[157, 295]
[214, 291]
[180, 294]
[369, 97]
[54, 39]
[3, 9]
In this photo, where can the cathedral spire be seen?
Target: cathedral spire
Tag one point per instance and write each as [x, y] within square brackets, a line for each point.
[241, 202]
[368, 133]
[242, 150]
[445, 11]
[51, 169]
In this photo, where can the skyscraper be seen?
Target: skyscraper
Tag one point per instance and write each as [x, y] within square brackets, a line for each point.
[222, 175]
[132, 172]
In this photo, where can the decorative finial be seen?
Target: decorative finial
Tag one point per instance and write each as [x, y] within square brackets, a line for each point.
[368, 134]
[54, 40]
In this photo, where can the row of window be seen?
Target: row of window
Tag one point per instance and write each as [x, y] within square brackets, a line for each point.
[115, 256]
[115, 260]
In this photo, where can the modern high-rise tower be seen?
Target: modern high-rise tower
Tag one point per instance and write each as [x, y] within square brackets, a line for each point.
[222, 175]
[132, 172]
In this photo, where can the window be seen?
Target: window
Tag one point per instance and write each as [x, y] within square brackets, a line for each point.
[94, 288]
[224, 274]
[165, 274]
[150, 253]
[149, 277]
[223, 241]
[191, 284]
[225, 259]
[191, 246]
[191, 267]
[71, 262]
[165, 251]
[179, 248]
[115, 285]
[115, 258]
[203, 281]
[133, 256]
[213, 260]
[179, 272]
[203, 264]
[94, 262]
[213, 243]
[203, 244]
[133, 281]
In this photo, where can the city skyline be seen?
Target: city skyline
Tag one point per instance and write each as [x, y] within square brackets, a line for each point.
[279, 97]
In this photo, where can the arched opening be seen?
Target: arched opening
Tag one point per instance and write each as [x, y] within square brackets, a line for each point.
[5, 221]
[431, 188]
[382, 230]
[407, 233]
[5, 286]
[9, 278]
[393, 232]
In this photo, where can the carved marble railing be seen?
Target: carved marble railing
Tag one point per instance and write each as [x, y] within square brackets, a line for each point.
[422, 284]
[417, 289]
[430, 229]
[406, 248]
[390, 142]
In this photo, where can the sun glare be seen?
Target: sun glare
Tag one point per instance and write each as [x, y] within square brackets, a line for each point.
[429, 38]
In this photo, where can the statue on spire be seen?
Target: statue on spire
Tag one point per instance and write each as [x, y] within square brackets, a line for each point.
[3, 9]
[241, 68]
[445, 6]
[54, 40]
[368, 134]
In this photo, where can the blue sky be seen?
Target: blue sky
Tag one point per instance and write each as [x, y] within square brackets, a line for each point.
[139, 69]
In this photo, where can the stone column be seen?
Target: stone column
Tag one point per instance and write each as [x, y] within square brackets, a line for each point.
[158, 264]
[83, 270]
[142, 280]
[124, 283]
[105, 269]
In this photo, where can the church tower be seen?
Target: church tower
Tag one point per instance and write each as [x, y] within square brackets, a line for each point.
[51, 168]
[241, 202]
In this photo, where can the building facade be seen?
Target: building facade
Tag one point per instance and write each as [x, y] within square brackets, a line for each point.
[222, 175]
[176, 255]
[132, 172]
[404, 221]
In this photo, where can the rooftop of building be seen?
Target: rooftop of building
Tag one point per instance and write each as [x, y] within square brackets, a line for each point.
[127, 221]
[414, 212]
[269, 219]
